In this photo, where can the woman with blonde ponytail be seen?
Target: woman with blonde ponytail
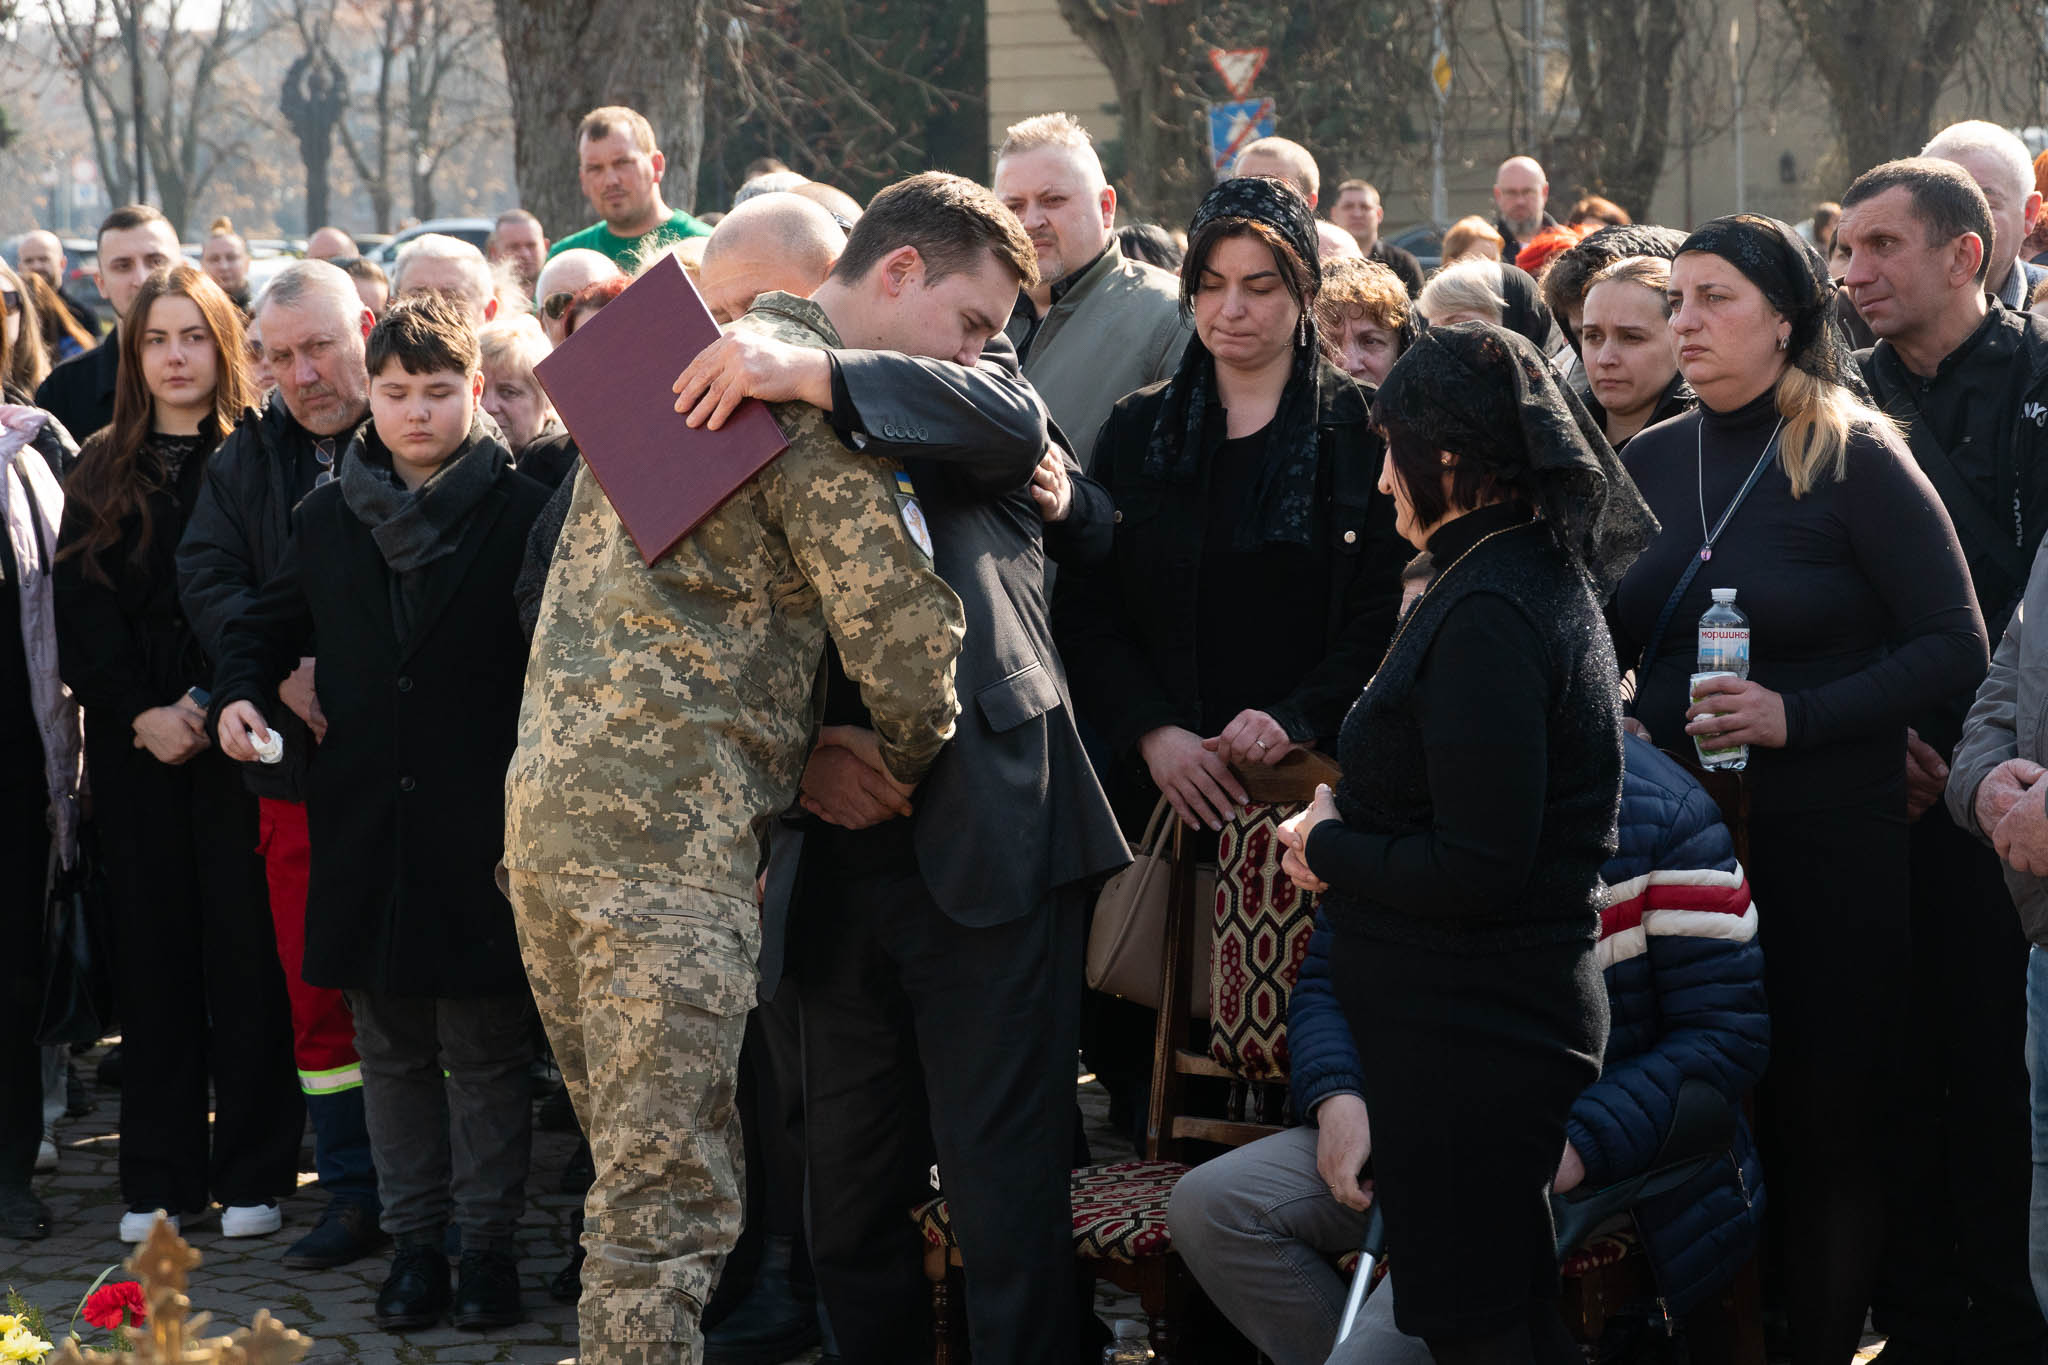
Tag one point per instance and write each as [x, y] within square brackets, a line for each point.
[1786, 486]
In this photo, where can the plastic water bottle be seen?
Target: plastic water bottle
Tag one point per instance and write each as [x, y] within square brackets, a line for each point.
[1129, 1346]
[1723, 653]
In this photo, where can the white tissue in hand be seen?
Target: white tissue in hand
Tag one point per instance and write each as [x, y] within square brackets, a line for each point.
[269, 748]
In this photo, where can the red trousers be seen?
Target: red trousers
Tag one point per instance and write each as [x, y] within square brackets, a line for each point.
[323, 1030]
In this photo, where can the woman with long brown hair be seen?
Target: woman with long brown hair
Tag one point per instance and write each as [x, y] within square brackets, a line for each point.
[23, 361]
[197, 982]
[63, 338]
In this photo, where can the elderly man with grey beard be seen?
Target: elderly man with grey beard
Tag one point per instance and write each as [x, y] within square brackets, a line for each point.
[313, 325]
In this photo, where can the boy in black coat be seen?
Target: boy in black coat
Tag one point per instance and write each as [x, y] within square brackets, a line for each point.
[408, 560]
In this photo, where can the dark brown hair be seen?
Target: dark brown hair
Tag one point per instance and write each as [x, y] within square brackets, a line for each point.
[110, 484]
[1421, 468]
[1594, 209]
[426, 334]
[1945, 200]
[952, 222]
[1303, 283]
[54, 318]
[593, 297]
[131, 216]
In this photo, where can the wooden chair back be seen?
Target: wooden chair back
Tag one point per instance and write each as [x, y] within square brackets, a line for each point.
[1292, 781]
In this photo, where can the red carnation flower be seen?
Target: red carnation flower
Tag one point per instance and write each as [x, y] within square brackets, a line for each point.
[116, 1305]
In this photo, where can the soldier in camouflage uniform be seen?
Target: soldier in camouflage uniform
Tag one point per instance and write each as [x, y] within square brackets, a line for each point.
[669, 712]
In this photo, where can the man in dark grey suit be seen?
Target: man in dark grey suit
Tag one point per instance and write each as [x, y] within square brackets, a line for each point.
[939, 947]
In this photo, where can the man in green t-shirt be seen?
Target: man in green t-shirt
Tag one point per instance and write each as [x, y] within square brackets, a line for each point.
[620, 168]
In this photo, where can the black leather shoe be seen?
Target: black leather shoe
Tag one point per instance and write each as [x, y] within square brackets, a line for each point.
[488, 1293]
[567, 1285]
[78, 1097]
[22, 1215]
[773, 1323]
[345, 1232]
[415, 1294]
[107, 1075]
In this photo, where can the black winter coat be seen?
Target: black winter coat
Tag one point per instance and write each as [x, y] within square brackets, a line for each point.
[1128, 628]
[406, 795]
[127, 648]
[234, 544]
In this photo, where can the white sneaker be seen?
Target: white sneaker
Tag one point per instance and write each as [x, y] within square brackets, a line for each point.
[46, 1153]
[250, 1220]
[135, 1226]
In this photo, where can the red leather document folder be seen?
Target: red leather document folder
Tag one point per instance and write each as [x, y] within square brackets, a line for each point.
[610, 382]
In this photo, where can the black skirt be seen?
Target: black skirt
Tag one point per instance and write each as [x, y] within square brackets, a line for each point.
[1471, 1064]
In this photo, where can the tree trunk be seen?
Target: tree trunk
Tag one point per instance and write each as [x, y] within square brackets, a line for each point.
[1150, 52]
[564, 58]
[1883, 70]
[1623, 59]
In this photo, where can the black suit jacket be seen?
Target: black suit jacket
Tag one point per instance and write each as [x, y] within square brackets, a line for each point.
[80, 392]
[406, 796]
[1012, 809]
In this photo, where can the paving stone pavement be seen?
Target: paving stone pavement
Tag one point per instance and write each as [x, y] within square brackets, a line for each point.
[240, 1276]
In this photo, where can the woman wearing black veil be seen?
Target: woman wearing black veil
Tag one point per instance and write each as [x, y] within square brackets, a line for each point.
[1460, 855]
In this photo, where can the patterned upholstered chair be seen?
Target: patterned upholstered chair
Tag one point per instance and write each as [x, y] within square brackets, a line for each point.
[1259, 926]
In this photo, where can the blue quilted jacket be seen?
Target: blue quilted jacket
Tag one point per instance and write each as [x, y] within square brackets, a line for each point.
[1685, 983]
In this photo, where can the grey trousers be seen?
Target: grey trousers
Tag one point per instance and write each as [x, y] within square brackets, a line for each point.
[1262, 1233]
[450, 1112]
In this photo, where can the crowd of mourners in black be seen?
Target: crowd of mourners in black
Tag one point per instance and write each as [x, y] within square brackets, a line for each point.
[1449, 528]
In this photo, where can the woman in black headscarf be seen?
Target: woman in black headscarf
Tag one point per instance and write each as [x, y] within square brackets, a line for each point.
[1460, 855]
[1785, 486]
[1255, 571]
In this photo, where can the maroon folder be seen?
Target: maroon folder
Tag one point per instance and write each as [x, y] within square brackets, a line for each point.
[611, 384]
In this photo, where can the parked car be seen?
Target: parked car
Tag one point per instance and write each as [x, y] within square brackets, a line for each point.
[475, 231]
[1425, 242]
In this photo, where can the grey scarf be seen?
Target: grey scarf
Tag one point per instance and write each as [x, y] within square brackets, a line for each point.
[412, 529]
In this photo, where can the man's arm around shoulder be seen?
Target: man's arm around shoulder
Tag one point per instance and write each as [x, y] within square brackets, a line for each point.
[896, 623]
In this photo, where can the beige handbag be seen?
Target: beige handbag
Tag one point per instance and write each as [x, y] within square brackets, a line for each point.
[1127, 942]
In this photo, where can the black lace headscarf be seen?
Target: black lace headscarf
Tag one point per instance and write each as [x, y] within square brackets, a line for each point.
[1282, 511]
[1487, 394]
[1794, 280]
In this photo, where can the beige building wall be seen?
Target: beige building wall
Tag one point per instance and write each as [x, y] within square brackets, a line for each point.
[1037, 65]
[1791, 157]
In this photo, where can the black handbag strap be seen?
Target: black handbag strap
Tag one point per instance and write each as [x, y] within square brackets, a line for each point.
[1692, 569]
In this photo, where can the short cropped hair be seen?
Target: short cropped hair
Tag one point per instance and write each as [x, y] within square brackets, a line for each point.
[951, 221]
[292, 286]
[1301, 167]
[607, 119]
[426, 334]
[1976, 135]
[1345, 187]
[132, 216]
[1045, 130]
[437, 246]
[1464, 286]
[361, 268]
[1944, 198]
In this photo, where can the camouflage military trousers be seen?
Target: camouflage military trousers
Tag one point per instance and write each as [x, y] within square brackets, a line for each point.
[644, 988]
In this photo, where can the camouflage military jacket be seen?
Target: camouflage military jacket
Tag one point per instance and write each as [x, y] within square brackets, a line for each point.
[670, 708]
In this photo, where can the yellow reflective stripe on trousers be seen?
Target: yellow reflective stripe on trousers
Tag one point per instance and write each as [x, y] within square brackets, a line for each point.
[341, 1078]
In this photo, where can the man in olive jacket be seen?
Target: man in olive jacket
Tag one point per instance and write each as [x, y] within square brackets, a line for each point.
[1995, 790]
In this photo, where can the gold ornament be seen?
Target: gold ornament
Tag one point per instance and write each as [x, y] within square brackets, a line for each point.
[164, 1263]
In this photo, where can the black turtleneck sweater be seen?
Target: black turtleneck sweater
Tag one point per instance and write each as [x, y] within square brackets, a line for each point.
[1859, 603]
